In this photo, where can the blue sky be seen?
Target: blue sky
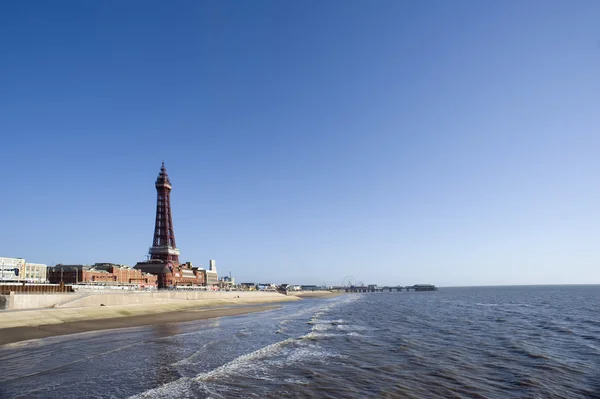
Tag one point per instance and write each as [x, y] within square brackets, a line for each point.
[452, 143]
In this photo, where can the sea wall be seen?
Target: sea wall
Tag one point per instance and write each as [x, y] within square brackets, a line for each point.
[134, 298]
[78, 300]
[37, 300]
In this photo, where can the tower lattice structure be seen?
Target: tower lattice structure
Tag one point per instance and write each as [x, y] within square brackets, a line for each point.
[163, 245]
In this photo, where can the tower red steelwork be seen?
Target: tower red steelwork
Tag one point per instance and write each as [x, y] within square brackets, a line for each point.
[163, 246]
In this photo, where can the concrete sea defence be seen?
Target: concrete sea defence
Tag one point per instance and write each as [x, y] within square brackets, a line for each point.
[16, 301]
[36, 300]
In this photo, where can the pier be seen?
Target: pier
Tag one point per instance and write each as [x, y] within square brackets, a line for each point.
[398, 288]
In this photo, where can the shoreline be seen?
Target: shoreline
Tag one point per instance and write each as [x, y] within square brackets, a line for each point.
[25, 324]
[10, 335]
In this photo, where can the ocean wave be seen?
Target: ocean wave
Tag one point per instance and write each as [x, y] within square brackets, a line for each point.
[354, 334]
[310, 351]
[315, 335]
[247, 361]
[244, 361]
[180, 388]
[353, 327]
[193, 357]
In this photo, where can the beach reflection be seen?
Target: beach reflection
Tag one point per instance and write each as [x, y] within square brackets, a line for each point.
[168, 330]
[165, 330]
[164, 353]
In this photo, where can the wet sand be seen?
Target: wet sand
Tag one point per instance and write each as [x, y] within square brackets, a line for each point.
[16, 334]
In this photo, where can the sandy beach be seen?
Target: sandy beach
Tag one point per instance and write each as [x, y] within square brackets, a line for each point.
[23, 333]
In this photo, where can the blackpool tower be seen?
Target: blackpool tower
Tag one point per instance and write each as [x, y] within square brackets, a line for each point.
[163, 246]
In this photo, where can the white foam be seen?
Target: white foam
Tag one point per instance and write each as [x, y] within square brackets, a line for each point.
[310, 352]
[258, 364]
[176, 389]
[352, 327]
[354, 334]
[295, 381]
[243, 361]
[322, 327]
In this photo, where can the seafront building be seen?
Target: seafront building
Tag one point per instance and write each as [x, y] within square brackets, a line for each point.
[103, 274]
[163, 259]
[17, 269]
[227, 282]
[212, 279]
[35, 272]
[10, 268]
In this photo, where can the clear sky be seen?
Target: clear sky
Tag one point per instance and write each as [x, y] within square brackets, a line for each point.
[442, 142]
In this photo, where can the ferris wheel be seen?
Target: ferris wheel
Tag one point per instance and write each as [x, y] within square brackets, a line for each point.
[348, 281]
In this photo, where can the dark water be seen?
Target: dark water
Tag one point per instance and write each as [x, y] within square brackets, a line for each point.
[508, 342]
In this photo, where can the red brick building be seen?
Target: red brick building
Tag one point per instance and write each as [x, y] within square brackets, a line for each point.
[101, 273]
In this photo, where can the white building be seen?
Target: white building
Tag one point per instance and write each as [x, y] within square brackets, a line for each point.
[35, 272]
[212, 279]
[11, 268]
[16, 269]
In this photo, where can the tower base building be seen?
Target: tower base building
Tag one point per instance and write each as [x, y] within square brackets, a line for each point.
[170, 275]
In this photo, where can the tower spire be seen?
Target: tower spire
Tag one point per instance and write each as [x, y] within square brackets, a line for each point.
[163, 245]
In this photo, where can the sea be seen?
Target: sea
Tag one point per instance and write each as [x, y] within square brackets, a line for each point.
[476, 342]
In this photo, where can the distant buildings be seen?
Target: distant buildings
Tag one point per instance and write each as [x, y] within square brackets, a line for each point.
[311, 288]
[227, 282]
[258, 287]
